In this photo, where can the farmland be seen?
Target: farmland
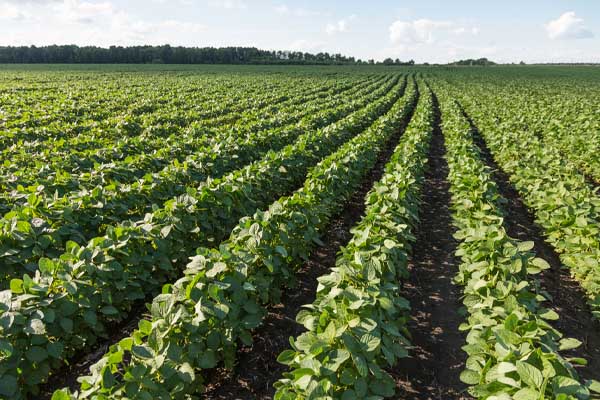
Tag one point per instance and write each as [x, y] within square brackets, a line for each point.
[279, 232]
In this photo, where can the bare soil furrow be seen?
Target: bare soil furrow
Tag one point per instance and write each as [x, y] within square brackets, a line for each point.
[437, 359]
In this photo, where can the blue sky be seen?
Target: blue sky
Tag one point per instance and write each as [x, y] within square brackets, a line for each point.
[423, 30]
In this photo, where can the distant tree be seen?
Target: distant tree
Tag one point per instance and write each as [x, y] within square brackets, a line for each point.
[471, 62]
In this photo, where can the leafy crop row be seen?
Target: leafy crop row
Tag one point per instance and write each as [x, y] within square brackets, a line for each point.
[513, 351]
[356, 327]
[197, 322]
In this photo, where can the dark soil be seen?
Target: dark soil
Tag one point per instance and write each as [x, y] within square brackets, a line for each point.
[566, 296]
[257, 369]
[437, 359]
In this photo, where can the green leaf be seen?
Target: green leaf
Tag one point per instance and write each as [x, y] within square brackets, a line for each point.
[566, 385]
[286, 357]
[16, 286]
[549, 315]
[569, 343]
[529, 374]
[46, 265]
[207, 359]
[370, 341]
[55, 350]
[537, 265]
[216, 269]
[526, 394]
[109, 310]
[594, 386]
[6, 349]
[525, 246]
[108, 379]
[186, 372]
[281, 250]
[144, 352]
[360, 387]
[145, 326]
[361, 365]
[66, 324]
[470, 377]
[36, 354]
[349, 395]
[8, 385]
[62, 394]
[389, 244]
[90, 318]
[336, 359]
[126, 343]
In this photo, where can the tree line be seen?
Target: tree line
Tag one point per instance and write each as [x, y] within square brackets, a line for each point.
[71, 54]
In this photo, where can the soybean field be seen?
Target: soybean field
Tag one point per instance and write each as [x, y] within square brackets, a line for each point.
[288, 232]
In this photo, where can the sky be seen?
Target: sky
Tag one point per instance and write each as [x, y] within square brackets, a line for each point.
[422, 30]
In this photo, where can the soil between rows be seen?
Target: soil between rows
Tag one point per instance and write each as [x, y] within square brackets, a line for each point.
[437, 359]
[566, 296]
[257, 367]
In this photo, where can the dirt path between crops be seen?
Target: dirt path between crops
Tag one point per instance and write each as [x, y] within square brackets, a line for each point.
[257, 366]
[567, 297]
[433, 371]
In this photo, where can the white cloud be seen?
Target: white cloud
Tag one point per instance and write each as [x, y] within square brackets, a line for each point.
[228, 4]
[339, 26]
[426, 31]
[435, 41]
[10, 11]
[568, 26]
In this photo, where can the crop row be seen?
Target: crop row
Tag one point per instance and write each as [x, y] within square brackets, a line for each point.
[44, 226]
[513, 351]
[565, 206]
[67, 304]
[357, 325]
